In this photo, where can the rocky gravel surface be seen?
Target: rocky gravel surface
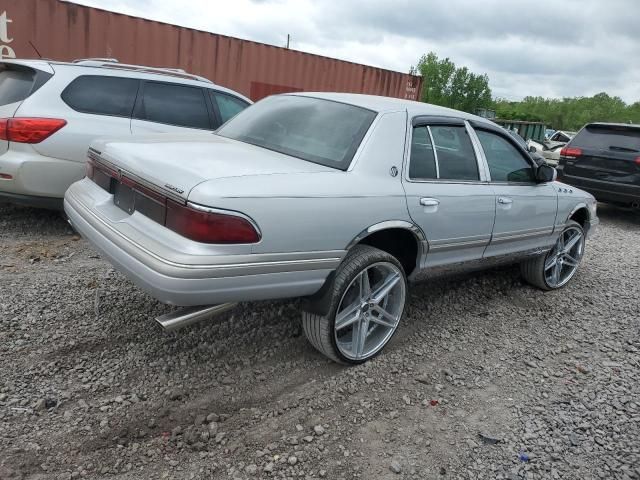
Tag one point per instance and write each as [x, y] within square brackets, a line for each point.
[486, 378]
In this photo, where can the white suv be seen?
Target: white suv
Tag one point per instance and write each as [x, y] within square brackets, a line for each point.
[51, 111]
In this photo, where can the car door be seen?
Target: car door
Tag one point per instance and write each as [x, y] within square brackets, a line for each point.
[171, 107]
[525, 210]
[447, 194]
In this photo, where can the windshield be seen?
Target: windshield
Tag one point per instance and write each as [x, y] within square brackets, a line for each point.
[316, 130]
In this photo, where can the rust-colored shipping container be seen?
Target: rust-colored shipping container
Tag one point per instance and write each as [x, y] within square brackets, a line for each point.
[65, 31]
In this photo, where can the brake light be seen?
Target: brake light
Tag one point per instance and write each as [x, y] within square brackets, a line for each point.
[29, 130]
[571, 152]
[637, 161]
[209, 226]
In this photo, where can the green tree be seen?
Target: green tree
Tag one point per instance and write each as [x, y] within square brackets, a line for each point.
[445, 84]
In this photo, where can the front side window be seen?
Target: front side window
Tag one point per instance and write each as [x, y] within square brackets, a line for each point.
[506, 163]
[173, 104]
[102, 95]
[312, 129]
[228, 106]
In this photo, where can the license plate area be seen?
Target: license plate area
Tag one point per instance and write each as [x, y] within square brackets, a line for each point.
[131, 200]
[124, 197]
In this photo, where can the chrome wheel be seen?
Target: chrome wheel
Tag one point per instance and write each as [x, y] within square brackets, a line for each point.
[563, 260]
[369, 310]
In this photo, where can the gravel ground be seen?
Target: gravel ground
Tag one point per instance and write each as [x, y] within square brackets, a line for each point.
[486, 378]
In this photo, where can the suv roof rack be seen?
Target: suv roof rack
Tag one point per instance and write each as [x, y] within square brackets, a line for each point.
[113, 63]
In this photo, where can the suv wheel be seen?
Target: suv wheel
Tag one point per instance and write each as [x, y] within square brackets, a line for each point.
[559, 265]
[367, 303]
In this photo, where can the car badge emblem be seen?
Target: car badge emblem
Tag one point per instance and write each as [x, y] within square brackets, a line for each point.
[175, 189]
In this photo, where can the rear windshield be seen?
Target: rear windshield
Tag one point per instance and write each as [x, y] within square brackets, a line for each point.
[312, 129]
[17, 83]
[608, 137]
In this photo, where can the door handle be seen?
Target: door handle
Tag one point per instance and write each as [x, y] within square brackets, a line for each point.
[429, 202]
[505, 200]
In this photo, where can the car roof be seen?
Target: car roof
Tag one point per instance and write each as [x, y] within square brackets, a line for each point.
[111, 68]
[390, 104]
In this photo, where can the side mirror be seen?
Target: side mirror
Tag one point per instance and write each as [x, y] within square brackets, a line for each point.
[532, 149]
[546, 173]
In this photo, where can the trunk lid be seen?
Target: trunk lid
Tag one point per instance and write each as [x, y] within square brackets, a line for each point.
[18, 80]
[609, 153]
[177, 163]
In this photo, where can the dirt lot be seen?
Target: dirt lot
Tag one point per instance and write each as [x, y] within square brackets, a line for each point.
[486, 378]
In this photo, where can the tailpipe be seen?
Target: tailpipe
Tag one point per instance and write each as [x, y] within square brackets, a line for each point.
[190, 315]
[635, 205]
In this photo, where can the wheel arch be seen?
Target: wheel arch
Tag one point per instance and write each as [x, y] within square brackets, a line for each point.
[580, 213]
[409, 250]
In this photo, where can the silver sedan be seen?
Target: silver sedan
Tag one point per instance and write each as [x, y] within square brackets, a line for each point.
[342, 199]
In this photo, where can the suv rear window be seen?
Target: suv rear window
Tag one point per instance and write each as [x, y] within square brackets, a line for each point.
[102, 95]
[18, 82]
[609, 137]
[312, 129]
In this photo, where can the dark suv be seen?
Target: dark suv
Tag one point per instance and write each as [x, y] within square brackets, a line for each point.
[604, 159]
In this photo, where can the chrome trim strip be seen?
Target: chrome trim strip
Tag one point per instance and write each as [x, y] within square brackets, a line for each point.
[304, 264]
[507, 237]
[455, 245]
[481, 159]
[145, 183]
[435, 151]
[233, 213]
[532, 231]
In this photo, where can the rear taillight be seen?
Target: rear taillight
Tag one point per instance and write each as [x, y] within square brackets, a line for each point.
[637, 161]
[29, 130]
[209, 226]
[570, 152]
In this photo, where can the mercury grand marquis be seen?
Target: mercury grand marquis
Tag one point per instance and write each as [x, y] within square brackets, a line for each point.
[342, 199]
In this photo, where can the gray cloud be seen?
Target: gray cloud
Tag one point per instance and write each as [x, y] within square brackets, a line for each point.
[527, 47]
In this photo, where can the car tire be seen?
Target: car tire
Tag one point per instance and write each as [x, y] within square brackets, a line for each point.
[537, 271]
[348, 288]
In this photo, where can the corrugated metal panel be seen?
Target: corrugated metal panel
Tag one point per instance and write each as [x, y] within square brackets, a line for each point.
[527, 130]
[66, 31]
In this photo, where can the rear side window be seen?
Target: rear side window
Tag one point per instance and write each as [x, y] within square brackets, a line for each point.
[609, 137]
[178, 105]
[227, 105]
[422, 161]
[18, 82]
[454, 153]
[506, 164]
[102, 95]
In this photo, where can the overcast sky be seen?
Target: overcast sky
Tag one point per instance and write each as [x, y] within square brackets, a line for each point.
[551, 48]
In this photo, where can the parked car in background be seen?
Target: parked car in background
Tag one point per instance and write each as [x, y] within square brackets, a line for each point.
[560, 136]
[550, 156]
[548, 132]
[51, 111]
[340, 198]
[604, 159]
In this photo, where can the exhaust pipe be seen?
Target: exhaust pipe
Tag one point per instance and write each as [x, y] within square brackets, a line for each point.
[190, 315]
[635, 205]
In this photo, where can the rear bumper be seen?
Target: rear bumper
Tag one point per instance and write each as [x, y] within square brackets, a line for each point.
[35, 179]
[602, 190]
[229, 278]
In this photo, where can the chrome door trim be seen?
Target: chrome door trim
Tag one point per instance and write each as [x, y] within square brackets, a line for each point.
[483, 166]
[521, 235]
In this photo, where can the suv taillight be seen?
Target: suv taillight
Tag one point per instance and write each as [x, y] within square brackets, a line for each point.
[637, 161]
[570, 152]
[29, 130]
[208, 226]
